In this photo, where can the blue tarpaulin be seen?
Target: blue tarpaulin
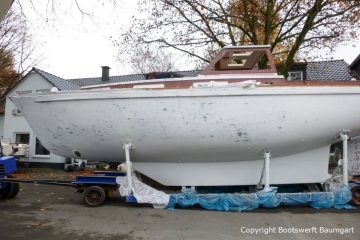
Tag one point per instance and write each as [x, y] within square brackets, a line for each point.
[268, 198]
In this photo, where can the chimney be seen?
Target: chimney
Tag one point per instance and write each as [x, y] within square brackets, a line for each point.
[105, 74]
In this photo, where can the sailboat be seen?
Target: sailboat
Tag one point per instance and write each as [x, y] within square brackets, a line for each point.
[208, 130]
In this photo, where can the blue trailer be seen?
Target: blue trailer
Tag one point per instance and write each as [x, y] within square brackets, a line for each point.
[95, 188]
[7, 167]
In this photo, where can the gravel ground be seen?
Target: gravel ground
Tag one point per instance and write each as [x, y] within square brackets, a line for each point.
[56, 212]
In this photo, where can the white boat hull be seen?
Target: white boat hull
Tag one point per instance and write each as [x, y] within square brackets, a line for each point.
[199, 137]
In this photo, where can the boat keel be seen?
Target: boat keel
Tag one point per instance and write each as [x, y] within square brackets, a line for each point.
[304, 167]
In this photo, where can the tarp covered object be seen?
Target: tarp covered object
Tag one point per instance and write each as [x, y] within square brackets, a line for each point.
[268, 198]
[143, 193]
[338, 197]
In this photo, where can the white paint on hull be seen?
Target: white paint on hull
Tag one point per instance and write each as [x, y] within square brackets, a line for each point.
[189, 133]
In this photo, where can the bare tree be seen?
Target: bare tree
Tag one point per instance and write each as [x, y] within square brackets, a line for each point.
[196, 27]
[144, 60]
[15, 51]
[53, 10]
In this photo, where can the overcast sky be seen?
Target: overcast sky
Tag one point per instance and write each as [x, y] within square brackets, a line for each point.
[72, 45]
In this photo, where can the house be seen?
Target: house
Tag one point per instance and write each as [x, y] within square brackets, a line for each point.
[355, 67]
[332, 70]
[15, 128]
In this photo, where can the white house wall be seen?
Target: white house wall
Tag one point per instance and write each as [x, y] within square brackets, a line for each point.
[18, 124]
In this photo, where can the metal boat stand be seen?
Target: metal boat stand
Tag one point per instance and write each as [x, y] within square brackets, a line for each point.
[267, 156]
[344, 135]
[129, 198]
[265, 171]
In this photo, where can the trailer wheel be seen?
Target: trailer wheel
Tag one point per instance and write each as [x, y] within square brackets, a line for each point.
[355, 195]
[11, 190]
[94, 196]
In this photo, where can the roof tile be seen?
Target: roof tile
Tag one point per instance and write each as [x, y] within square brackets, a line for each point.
[60, 83]
[126, 78]
[334, 70]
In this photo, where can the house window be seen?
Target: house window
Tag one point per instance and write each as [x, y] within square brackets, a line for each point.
[40, 149]
[296, 76]
[22, 138]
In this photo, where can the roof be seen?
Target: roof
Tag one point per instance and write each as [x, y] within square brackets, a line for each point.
[113, 79]
[126, 78]
[355, 62]
[190, 73]
[60, 83]
[333, 70]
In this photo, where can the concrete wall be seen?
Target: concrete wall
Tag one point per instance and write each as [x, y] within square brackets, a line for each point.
[17, 124]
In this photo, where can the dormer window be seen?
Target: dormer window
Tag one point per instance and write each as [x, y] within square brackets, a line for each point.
[296, 76]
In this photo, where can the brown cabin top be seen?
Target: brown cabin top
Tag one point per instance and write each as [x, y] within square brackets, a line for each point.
[242, 60]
